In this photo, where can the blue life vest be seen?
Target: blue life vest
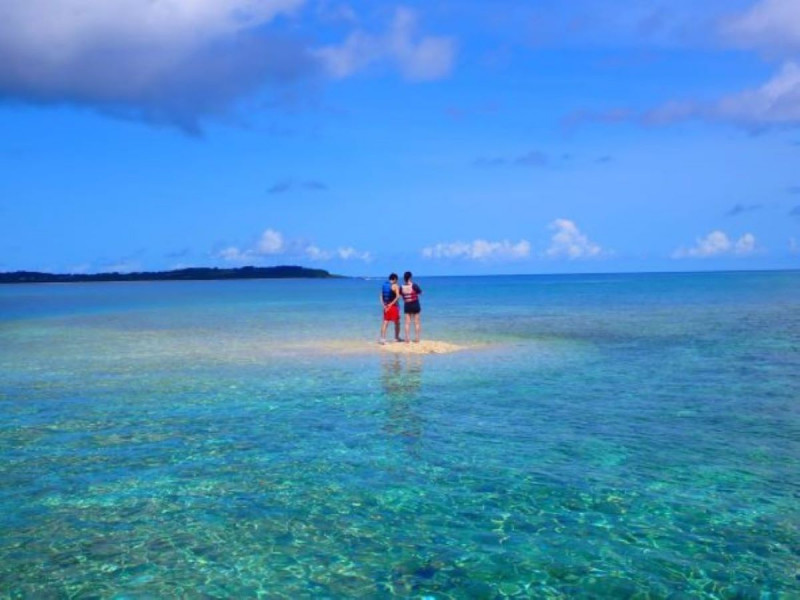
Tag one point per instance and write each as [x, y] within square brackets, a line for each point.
[388, 294]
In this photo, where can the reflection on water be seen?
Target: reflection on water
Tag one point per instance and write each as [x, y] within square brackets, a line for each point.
[401, 378]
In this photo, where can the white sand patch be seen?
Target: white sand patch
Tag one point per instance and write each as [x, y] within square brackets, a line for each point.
[369, 347]
[421, 347]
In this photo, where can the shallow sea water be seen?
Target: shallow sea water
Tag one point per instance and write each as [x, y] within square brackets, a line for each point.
[616, 436]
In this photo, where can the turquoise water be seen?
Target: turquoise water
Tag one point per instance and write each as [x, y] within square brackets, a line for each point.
[616, 436]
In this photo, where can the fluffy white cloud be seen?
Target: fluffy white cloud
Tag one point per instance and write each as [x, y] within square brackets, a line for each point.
[745, 244]
[273, 243]
[569, 242]
[717, 243]
[479, 250]
[769, 24]
[419, 58]
[270, 242]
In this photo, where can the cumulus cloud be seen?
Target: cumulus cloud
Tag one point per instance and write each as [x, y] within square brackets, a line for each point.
[717, 243]
[568, 242]
[419, 57]
[479, 250]
[745, 245]
[272, 243]
[172, 61]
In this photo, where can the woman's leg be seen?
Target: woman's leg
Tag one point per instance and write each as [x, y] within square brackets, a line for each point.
[417, 326]
[408, 327]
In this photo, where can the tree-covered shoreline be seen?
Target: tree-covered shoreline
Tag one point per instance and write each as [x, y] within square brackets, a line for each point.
[188, 274]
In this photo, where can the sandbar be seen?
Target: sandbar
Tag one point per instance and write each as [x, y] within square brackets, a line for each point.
[421, 347]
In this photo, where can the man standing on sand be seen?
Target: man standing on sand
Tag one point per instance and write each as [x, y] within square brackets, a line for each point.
[411, 307]
[390, 297]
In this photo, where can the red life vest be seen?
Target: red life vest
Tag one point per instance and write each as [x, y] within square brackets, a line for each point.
[409, 291]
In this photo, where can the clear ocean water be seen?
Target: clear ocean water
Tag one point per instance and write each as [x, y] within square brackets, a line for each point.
[601, 436]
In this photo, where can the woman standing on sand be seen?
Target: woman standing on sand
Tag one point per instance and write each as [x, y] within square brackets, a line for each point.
[411, 292]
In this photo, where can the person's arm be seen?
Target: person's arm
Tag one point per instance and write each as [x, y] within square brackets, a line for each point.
[418, 289]
[396, 290]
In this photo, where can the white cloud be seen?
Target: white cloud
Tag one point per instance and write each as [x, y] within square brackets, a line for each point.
[479, 250]
[234, 254]
[344, 253]
[717, 243]
[745, 244]
[273, 243]
[350, 253]
[315, 253]
[569, 242]
[769, 24]
[419, 58]
[270, 242]
[165, 61]
[772, 26]
[777, 102]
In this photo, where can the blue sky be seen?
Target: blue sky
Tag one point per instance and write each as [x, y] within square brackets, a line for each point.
[447, 138]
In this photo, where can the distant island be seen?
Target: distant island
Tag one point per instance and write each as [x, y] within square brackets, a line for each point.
[191, 274]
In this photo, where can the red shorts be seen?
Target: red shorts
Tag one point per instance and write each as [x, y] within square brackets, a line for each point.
[391, 313]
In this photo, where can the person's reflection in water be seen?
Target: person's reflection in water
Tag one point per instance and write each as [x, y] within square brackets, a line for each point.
[402, 378]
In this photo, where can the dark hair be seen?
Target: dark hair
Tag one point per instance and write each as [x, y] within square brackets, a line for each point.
[407, 276]
[393, 277]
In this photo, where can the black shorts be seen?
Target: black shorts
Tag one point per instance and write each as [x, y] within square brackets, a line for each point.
[412, 308]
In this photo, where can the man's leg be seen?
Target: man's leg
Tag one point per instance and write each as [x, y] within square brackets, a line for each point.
[384, 325]
[397, 329]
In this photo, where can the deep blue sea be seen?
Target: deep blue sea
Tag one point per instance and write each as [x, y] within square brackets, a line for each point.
[597, 436]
